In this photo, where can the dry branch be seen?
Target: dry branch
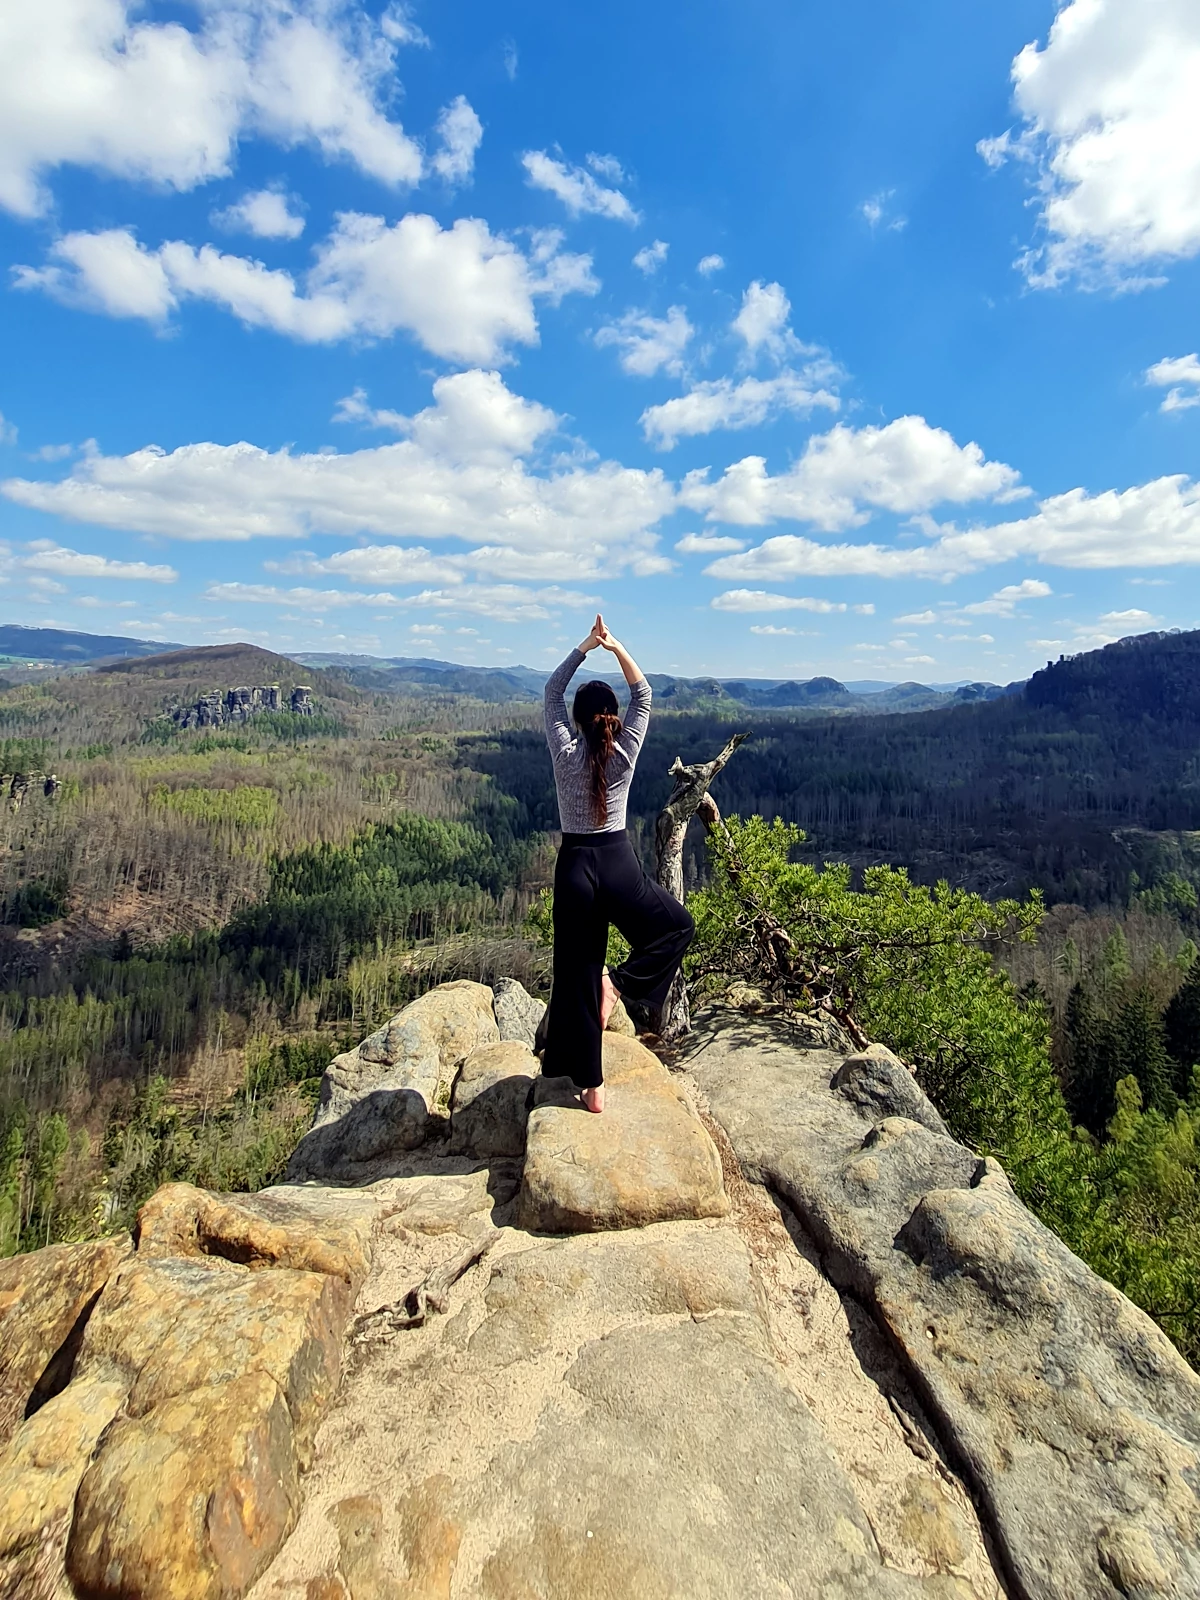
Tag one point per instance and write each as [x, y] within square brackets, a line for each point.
[424, 1298]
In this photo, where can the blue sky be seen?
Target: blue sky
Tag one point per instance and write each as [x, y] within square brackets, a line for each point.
[800, 339]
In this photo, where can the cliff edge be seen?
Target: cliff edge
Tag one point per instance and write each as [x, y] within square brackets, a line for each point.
[763, 1329]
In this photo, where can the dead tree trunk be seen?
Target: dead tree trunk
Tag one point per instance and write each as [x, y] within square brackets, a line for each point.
[691, 787]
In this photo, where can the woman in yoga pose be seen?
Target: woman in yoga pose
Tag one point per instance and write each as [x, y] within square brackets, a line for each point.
[598, 879]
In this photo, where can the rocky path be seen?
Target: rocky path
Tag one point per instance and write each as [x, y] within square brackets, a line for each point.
[763, 1329]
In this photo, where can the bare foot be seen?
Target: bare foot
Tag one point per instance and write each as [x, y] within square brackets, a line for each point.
[609, 995]
[593, 1099]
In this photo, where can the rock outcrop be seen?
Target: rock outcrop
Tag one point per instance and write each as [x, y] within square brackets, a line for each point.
[763, 1329]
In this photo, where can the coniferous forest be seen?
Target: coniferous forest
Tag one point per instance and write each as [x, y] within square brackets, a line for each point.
[195, 920]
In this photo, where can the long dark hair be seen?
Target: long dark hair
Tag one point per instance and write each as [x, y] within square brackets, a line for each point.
[596, 712]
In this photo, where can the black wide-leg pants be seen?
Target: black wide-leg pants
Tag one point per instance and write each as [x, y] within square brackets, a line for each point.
[599, 880]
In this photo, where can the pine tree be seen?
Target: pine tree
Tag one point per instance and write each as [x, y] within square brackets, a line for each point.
[1181, 1023]
[1091, 1075]
[1140, 1050]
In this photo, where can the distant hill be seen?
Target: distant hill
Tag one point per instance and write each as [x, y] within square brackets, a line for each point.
[424, 675]
[224, 664]
[1085, 781]
[69, 649]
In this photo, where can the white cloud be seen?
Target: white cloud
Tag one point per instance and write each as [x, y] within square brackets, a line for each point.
[707, 265]
[264, 213]
[650, 257]
[302, 599]
[708, 544]
[1004, 601]
[919, 619]
[771, 631]
[1156, 524]
[8, 433]
[83, 83]
[63, 563]
[762, 322]
[460, 134]
[649, 344]
[1180, 376]
[904, 467]
[465, 293]
[576, 188]
[427, 629]
[459, 475]
[511, 59]
[1132, 618]
[874, 210]
[1111, 123]
[759, 600]
[504, 602]
[722, 403]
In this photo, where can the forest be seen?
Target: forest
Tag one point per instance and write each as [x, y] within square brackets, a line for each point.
[196, 920]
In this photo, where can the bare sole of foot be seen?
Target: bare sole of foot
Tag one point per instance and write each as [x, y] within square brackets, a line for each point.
[593, 1099]
[609, 995]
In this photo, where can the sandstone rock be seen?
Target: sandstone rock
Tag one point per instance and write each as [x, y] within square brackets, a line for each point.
[283, 1227]
[45, 1298]
[682, 1464]
[40, 1472]
[646, 1159]
[169, 1326]
[190, 1500]
[537, 1298]
[1076, 1418]
[518, 1013]
[878, 1084]
[380, 1097]
[619, 1022]
[449, 1202]
[489, 1106]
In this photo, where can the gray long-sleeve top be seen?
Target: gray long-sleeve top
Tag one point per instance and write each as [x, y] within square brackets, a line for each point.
[569, 752]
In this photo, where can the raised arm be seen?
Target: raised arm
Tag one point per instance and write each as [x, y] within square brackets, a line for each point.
[559, 733]
[637, 718]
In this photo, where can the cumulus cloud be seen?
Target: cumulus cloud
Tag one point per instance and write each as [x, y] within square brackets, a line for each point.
[1156, 524]
[904, 467]
[651, 256]
[90, 83]
[264, 213]
[722, 403]
[47, 557]
[460, 475]
[464, 293]
[708, 544]
[707, 265]
[577, 188]
[1180, 376]
[762, 321]
[760, 600]
[1111, 126]
[1133, 618]
[460, 134]
[647, 344]
[771, 630]
[1004, 602]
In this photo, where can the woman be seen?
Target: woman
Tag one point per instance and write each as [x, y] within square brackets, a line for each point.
[598, 878]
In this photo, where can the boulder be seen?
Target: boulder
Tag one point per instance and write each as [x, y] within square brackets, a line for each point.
[45, 1299]
[647, 1158]
[1076, 1419]
[490, 1102]
[275, 1228]
[190, 1500]
[878, 1084]
[518, 1013]
[168, 1326]
[40, 1472]
[380, 1097]
[678, 1462]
